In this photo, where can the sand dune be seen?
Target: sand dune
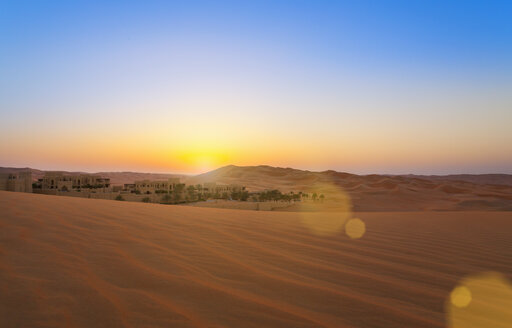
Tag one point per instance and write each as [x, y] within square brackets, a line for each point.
[72, 262]
[495, 179]
[373, 192]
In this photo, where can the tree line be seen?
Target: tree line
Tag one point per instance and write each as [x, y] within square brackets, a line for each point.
[182, 193]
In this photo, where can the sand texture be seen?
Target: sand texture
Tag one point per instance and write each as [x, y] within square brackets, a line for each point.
[73, 262]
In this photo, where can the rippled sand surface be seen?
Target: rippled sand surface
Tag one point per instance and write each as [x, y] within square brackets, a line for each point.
[72, 262]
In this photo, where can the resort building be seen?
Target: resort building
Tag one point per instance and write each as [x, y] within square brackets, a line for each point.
[20, 182]
[214, 188]
[151, 186]
[60, 181]
[173, 184]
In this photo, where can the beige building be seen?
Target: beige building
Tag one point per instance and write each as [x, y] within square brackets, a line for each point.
[214, 188]
[67, 182]
[151, 186]
[20, 182]
[169, 185]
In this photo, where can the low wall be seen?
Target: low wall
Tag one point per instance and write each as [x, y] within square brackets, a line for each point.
[239, 205]
[130, 197]
[83, 194]
[156, 198]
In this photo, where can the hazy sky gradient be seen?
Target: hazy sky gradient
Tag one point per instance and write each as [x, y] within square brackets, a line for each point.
[161, 86]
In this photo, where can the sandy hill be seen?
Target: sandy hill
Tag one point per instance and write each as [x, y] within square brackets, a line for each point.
[75, 262]
[495, 179]
[258, 177]
[370, 192]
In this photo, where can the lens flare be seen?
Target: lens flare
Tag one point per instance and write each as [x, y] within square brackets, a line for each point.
[480, 301]
[324, 224]
[460, 296]
[326, 209]
[355, 228]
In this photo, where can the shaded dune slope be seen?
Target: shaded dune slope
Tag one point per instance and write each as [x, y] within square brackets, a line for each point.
[372, 192]
[96, 263]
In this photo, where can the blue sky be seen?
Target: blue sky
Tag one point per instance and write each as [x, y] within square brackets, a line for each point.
[363, 86]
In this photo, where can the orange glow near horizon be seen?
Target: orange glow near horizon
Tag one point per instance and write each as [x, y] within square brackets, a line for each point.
[195, 145]
[183, 151]
[153, 157]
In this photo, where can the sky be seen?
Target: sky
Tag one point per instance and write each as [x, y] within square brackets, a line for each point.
[362, 86]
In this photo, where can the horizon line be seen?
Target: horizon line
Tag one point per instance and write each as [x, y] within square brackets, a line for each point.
[248, 166]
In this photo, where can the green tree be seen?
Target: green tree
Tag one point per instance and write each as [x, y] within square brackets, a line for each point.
[166, 199]
[235, 195]
[177, 197]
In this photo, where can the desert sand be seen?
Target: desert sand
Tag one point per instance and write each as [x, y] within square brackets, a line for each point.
[73, 262]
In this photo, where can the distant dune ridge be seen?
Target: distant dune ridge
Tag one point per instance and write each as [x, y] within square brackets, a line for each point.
[370, 192]
[365, 192]
[495, 179]
[75, 262]
[248, 172]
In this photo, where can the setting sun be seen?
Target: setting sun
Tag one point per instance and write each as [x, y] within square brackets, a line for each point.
[202, 160]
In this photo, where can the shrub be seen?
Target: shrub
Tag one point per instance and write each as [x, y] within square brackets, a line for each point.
[119, 197]
[146, 200]
[244, 195]
[166, 198]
